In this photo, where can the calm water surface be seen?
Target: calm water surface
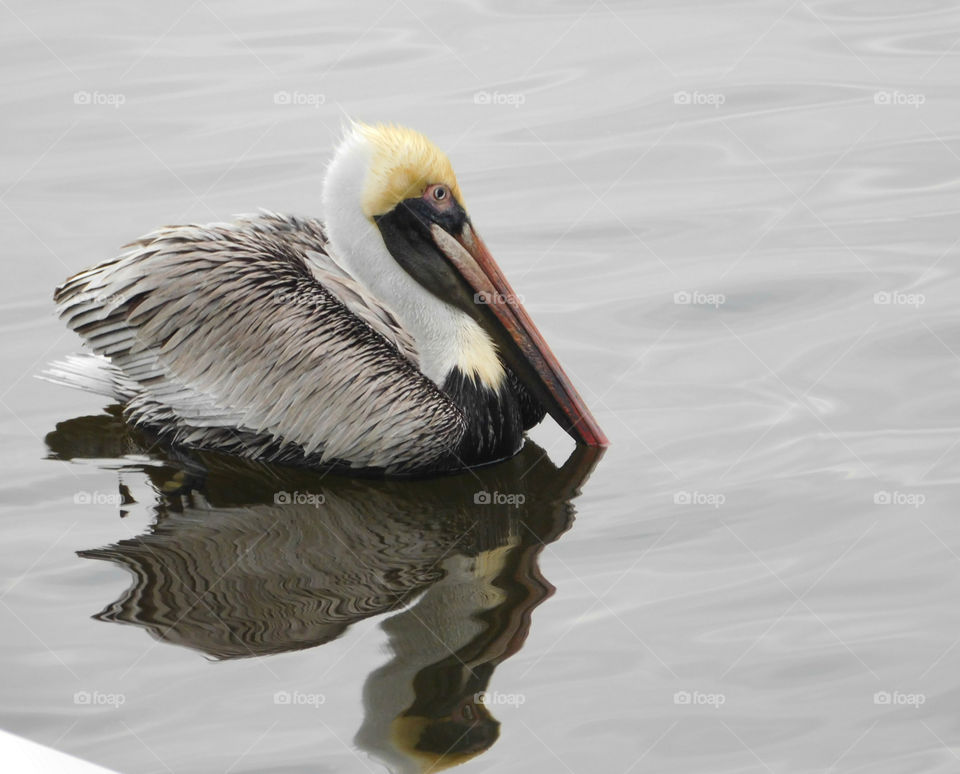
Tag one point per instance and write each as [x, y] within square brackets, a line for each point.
[736, 223]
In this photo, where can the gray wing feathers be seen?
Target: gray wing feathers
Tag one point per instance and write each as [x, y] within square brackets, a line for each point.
[248, 338]
[92, 373]
[308, 238]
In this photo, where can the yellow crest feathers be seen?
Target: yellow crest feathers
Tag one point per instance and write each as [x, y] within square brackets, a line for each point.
[404, 163]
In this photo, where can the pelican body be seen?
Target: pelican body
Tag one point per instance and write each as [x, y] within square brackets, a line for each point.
[385, 340]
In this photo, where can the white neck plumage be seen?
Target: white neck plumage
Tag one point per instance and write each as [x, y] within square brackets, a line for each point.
[446, 337]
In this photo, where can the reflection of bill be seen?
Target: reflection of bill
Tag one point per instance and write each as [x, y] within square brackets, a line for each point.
[379, 547]
[420, 708]
[425, 708]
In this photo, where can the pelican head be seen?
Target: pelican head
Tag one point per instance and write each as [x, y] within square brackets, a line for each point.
[396, 220]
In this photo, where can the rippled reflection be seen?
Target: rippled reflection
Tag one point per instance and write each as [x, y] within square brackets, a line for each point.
[245, 559]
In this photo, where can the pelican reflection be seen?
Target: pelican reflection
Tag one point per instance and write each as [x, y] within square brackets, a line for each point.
[246, 559]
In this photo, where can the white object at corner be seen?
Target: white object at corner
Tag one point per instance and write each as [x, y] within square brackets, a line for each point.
[21, 756]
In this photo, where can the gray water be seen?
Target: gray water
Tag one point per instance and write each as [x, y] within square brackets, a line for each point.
[760, 574]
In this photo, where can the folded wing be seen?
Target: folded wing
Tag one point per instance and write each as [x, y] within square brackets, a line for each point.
[249, 338]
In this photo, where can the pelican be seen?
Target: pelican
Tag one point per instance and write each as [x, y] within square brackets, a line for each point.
[385, 340]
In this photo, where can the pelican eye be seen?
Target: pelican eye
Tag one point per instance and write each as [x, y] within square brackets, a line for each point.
[439, 193]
